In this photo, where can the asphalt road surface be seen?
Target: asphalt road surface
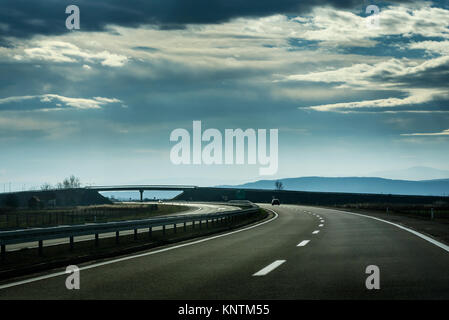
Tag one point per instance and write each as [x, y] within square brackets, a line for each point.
[194, 208]
[304, 253]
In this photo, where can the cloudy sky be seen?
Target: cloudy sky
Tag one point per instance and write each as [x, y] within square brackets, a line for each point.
[101, 102]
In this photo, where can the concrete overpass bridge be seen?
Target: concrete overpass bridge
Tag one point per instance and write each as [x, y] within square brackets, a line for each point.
[215, 194]
[142, 188]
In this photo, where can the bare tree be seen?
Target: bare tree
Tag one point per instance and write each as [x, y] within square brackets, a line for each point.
[46, 186]
[69, 183]
[279, 185]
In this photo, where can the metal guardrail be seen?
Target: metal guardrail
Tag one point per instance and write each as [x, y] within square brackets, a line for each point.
[60, 232]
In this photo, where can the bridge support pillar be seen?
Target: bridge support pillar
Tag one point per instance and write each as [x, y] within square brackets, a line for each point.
[141, 195]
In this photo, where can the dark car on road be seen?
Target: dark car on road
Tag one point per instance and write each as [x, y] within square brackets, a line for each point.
[275, 202]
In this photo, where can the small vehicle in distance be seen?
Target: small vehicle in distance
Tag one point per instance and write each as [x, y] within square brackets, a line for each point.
[275, 202]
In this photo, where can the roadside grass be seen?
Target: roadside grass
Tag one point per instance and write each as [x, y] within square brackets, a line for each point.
[418, 211]
[28, 218]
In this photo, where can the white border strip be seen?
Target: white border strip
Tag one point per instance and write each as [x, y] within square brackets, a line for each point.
[95, 265]
[422, 236]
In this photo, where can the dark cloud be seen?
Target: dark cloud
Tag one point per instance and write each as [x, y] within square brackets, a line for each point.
[23, 18]
[436, 76]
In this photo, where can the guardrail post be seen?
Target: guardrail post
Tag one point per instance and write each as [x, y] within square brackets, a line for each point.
[96, 240]
[185, 226]
[432, 216]
[193, 224]
[200, 224]
[117, 235]
[3, 251]
[207, 223]
[163, 230]
[41, 248]
[71, 243]
[135, 234]
[150, 231]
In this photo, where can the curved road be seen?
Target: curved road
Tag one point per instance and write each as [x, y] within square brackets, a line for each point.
[194, 208]
[285, 258]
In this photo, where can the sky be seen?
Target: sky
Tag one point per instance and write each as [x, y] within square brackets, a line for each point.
[101, 102]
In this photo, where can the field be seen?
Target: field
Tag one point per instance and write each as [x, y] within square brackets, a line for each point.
[28, 218]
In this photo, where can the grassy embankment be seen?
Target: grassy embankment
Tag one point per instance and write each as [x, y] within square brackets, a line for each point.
[28, 218]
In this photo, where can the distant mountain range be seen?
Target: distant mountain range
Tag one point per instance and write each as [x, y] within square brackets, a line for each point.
[436, 187]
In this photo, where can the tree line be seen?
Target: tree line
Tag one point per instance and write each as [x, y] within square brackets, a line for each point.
[68, 183]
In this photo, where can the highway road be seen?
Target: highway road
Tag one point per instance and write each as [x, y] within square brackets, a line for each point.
[194, 208]
[301, 253]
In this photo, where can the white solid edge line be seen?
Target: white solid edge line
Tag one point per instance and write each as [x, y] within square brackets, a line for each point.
[95, 265]
[422, 236]
[269, 268]
[303, 243]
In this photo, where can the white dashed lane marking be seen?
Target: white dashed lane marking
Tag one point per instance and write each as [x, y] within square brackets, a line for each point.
[303, 243]
[269, 268]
